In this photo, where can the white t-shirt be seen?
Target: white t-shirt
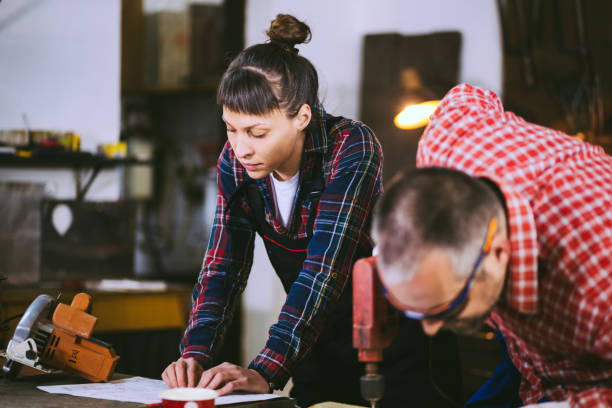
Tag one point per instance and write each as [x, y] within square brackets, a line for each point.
[284, 197]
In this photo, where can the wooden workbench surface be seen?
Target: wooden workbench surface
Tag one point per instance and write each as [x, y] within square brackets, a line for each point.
[22, 392]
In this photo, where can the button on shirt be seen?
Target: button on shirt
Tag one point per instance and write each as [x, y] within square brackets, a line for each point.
[556, 311]
[346, 155]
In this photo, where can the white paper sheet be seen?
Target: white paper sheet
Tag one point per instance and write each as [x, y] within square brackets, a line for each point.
[138, 389]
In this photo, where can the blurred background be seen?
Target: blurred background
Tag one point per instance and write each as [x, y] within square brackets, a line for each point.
[109, 135]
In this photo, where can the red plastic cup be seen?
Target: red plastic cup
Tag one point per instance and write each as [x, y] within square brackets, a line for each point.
[186, 398]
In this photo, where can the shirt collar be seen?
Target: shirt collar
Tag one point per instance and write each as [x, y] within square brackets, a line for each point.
[521, 291]
[316, 138]
[310, 168]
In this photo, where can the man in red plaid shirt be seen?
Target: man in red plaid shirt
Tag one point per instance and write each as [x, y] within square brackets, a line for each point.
[509, 221]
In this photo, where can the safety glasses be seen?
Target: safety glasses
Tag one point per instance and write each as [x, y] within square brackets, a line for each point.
[456, 305]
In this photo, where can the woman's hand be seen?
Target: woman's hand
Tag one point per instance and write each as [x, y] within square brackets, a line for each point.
[184, 372]
[227, 377]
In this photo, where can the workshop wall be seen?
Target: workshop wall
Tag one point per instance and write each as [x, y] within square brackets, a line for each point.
[60, 67]
[338, 29]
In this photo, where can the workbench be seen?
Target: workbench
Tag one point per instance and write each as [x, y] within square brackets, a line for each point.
[22, 392]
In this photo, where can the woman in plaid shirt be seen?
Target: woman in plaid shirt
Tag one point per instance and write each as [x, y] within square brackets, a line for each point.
[306, 182]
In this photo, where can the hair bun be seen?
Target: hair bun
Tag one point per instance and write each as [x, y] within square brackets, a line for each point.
[286, 29]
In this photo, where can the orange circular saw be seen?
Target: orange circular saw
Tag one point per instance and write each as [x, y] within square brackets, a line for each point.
[54, 336]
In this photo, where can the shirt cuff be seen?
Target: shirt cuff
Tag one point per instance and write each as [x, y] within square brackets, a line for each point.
[199, 353]
[273, 367]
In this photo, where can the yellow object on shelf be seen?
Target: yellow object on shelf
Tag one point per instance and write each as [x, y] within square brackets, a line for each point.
[71, 141]
[113, 150]
[23, 153]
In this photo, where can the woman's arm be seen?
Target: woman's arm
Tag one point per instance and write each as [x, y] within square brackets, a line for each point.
[224, 274]
[223, 277]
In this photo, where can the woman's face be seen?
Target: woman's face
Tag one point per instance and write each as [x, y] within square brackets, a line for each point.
[267, 143]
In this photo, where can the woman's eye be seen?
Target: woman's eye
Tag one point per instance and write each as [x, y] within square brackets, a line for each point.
[231, 130]
[258, 135]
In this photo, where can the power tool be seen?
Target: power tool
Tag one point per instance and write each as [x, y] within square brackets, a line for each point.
[375, 323]
[55, 336]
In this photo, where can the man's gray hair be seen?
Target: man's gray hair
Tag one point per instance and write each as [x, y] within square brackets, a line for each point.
[432, 208]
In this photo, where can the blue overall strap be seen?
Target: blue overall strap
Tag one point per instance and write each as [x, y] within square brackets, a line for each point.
[501, 390]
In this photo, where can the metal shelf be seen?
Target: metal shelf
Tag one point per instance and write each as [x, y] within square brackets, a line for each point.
[74, 160]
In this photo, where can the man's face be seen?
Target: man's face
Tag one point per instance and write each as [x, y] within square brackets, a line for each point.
[434, 283]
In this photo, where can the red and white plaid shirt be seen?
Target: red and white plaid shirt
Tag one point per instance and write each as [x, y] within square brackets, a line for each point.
[556, 311]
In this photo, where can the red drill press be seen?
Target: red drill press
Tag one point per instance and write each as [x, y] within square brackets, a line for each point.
[374, 326]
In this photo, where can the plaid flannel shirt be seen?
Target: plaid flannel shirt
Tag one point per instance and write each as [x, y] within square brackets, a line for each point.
[556, 311]
[347, 155]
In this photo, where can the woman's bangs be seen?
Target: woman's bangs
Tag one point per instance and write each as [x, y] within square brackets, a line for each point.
[245, 91]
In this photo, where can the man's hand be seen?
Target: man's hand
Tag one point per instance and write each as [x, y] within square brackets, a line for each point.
[184, 372]
[227, 377]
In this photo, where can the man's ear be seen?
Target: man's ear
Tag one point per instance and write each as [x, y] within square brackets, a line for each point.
[499, 254]
[302, 119]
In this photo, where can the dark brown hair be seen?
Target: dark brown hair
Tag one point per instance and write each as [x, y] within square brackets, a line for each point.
[270, 76]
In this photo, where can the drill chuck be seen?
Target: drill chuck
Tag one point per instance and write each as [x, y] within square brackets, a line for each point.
[372, 384]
